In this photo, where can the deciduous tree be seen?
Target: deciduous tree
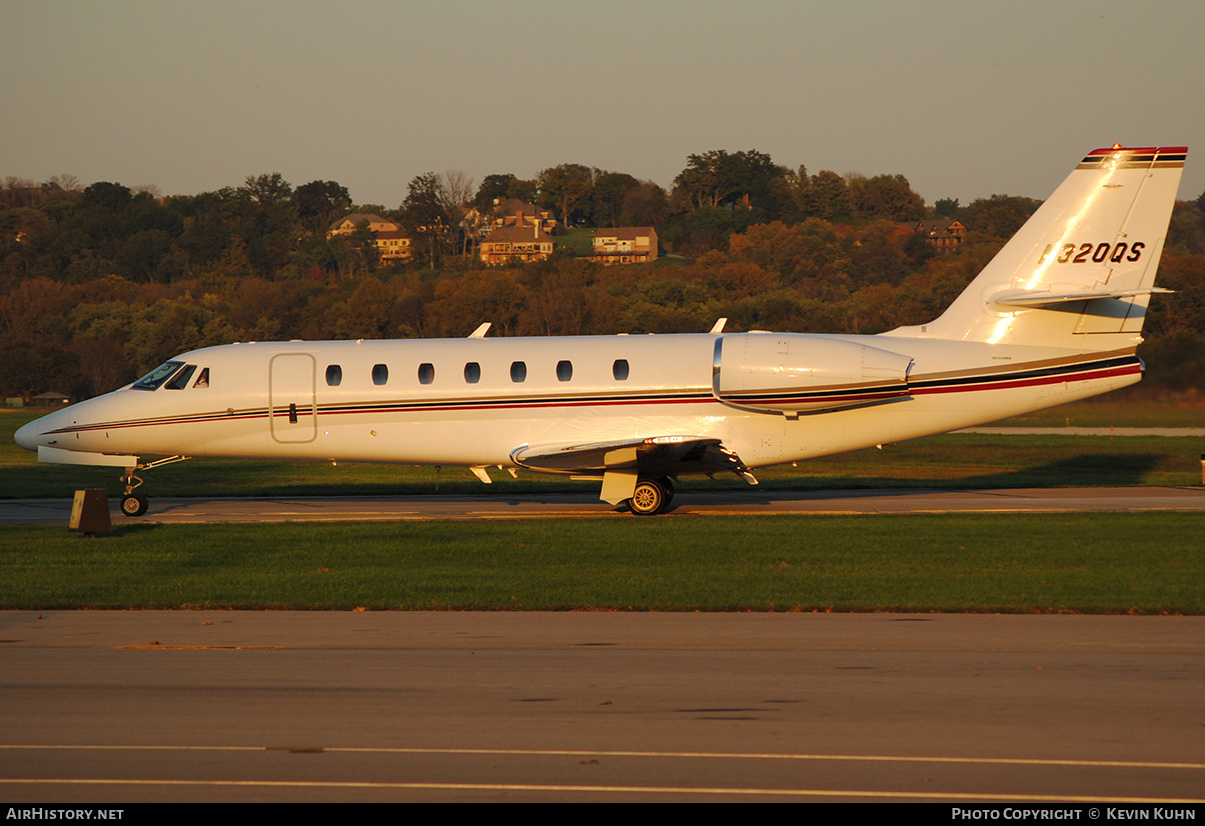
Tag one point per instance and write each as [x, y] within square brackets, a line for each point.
[319, 203]
[425, 215]
[565, 187]
[718, 177]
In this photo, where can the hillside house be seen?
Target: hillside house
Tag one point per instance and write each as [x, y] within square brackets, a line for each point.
[517, 243]
[624, 245]
[943, 233]
[392, 242]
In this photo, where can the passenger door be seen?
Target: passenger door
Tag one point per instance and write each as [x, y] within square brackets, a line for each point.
[292, 410]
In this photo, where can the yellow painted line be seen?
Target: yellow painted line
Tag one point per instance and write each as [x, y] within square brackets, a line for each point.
[776, 756]
[865, 758]
[193, 648]
[542, 787]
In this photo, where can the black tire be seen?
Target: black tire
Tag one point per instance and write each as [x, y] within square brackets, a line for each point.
[649, 498]
[668, 484]
[133, 504]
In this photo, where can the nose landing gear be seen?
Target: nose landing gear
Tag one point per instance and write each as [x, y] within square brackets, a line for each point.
[132, 504]
[135, 504]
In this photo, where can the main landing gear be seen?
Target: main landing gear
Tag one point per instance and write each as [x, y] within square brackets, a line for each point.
[651, 496]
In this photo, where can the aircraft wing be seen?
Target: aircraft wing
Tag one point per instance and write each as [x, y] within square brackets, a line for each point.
[623, 461]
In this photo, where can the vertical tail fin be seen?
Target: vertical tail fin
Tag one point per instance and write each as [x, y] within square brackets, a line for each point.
[1079, 274]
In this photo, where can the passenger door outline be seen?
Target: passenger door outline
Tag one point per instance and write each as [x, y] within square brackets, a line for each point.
[291, 390]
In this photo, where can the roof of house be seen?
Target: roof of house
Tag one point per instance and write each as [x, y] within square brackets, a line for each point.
[518, 235]
[625, 233]
[390, 234]
[938, 225]
[358, 218]
[513, 206]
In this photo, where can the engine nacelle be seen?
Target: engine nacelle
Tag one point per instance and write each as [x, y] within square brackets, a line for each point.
[789, 374]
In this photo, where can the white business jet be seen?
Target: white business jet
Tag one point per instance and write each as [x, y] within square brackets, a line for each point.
[1054, 317]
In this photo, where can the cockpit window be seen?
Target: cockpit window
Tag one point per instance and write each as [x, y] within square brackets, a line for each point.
[180, 380]
[154, 379]
[203, 379]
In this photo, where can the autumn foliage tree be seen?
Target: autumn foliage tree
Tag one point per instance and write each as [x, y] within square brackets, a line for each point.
[100, 283]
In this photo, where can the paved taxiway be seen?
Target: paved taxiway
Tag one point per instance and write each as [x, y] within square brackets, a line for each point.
[526, 506]
[237, 706]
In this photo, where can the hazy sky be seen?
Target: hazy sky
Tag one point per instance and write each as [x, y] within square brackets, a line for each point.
[965, 99]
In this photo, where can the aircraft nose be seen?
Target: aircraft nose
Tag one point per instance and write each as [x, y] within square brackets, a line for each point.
[27, 436]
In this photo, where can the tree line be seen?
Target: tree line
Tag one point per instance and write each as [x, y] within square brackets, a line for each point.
[99, 284]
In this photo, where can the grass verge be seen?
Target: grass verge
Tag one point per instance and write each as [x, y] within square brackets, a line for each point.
[1108, 411]
[1108, 563]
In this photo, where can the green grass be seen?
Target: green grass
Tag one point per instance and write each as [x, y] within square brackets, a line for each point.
[580, 240]
[1143, 563]
[1106, 412]
[989, 461]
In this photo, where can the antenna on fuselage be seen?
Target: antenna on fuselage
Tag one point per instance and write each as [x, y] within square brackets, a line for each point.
[718, 327]
[480, 331]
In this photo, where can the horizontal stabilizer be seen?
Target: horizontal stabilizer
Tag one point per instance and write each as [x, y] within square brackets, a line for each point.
[1041, 298]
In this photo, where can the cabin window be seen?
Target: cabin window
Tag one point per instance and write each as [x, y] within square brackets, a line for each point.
[426, 373]
[564, 370]
[334, 375]
[620, 370]
[180, 380]
[380, 374]
[472, 372]
[203, 379]
[518, 371]
[154, 379]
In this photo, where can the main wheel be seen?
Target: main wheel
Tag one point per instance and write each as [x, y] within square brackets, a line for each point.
[668, 484]
[649, 498]
[133, 504]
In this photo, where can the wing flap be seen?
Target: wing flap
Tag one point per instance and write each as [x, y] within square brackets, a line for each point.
[650, 456]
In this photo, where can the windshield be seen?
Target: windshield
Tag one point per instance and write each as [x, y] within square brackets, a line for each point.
[155, 378]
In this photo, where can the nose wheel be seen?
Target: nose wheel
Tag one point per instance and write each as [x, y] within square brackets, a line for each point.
[133, 504]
